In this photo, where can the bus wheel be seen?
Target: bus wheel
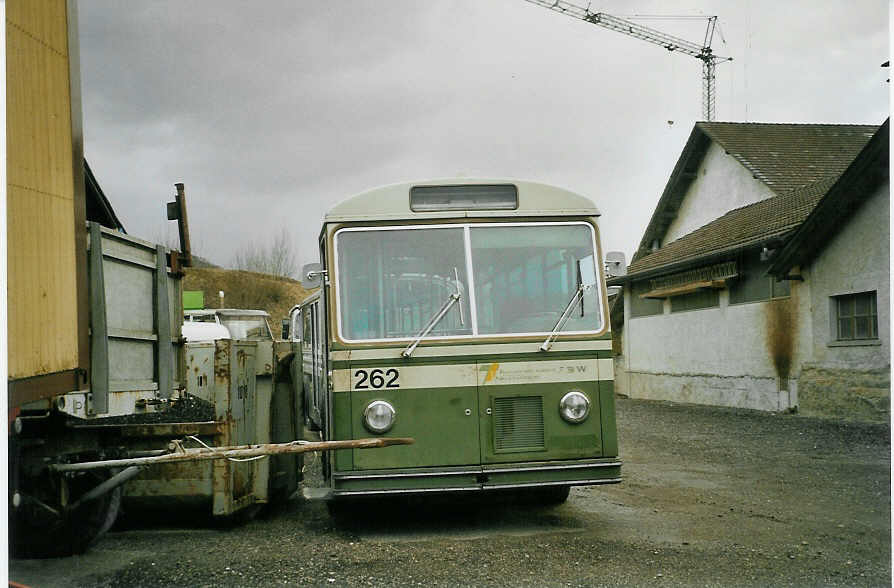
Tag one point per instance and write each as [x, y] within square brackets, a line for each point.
[345, 510]
[339, 509]
[40, 527]
[553, 494]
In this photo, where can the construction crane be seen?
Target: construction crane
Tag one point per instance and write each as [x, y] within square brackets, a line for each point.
[702, 52]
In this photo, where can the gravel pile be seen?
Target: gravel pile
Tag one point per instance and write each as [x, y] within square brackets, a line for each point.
[186, 410]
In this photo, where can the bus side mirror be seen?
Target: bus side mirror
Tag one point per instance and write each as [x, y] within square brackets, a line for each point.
[615, 264]
[586, 271]
[285, 329]
[311, 275]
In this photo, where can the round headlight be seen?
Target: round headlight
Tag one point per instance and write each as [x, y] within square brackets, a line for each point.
[574, 407]
[378, 416]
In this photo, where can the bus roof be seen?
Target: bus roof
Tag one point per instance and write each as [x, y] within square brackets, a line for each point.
[393, 202]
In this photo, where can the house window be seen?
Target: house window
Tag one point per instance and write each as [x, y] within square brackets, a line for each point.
[644, 306]
[706, 298]
[780, 289]
[856, 316]
[753, 284]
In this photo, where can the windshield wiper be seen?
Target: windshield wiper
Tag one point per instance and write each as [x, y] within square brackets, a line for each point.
[578, 295]
[451, 300]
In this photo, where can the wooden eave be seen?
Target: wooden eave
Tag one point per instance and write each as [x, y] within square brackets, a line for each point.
[689, 288]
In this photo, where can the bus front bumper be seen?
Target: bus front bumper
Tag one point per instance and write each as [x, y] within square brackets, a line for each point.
[477, 478]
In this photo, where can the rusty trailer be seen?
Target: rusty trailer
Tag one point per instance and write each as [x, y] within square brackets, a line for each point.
[234, 381]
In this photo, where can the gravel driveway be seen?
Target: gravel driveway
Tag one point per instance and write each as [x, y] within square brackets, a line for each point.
[711, 497]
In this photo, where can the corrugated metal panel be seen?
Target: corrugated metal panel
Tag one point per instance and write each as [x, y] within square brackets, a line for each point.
[518, 423]
[43, 327]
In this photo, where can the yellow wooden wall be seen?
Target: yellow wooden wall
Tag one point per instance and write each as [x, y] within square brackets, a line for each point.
[42, 301]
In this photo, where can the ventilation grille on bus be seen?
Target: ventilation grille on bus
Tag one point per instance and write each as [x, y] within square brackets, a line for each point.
[518, 423]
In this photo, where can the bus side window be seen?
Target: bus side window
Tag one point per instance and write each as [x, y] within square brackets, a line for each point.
[295, 326]
[306, 328]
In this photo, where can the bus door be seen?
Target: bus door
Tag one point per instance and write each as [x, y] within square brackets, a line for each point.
[533, 286]
[436, 403]
[320, 379]
[311, 363]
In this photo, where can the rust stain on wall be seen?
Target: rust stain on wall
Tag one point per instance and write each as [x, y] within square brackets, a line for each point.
[781, 332]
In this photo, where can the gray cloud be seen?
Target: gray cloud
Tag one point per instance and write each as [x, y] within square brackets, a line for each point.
[272, 112]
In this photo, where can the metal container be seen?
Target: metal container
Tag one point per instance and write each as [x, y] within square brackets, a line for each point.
[236, 380]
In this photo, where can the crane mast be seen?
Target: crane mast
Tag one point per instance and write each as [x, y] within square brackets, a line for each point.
[701, 52]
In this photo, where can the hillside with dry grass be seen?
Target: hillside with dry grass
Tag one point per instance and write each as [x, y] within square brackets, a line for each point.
[249, 290]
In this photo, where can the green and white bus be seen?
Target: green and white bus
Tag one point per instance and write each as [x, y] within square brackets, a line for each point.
[471, 316]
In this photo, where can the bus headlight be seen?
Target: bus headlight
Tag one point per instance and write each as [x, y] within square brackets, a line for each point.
[378, 416]
[574, 407]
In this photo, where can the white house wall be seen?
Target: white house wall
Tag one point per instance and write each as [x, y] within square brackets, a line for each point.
[731, 355]
[851, 379]
[722, 184]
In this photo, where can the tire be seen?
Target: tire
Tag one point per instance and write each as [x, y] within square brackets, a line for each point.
[553, 495]
[334, 509]
[346, 510]
[338, 509]
[35, 532]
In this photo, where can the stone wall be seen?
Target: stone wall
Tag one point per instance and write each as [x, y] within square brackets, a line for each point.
[860, 395]
[757, 393]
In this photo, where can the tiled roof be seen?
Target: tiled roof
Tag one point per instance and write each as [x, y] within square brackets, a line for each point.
[865, 175]
[789, 156]
[739, 228]
[798, 162]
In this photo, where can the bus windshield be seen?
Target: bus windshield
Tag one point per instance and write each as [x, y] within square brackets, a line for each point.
[511, 279]
[248, 328]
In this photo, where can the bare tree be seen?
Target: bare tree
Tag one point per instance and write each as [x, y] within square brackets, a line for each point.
[277, 260]
[282, 256]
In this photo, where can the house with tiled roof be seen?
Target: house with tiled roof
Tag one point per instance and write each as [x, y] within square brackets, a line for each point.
[762, 279]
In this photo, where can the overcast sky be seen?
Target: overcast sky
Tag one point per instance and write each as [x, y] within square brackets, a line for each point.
[272, 112]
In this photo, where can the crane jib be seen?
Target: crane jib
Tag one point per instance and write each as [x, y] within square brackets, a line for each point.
[702, 52]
